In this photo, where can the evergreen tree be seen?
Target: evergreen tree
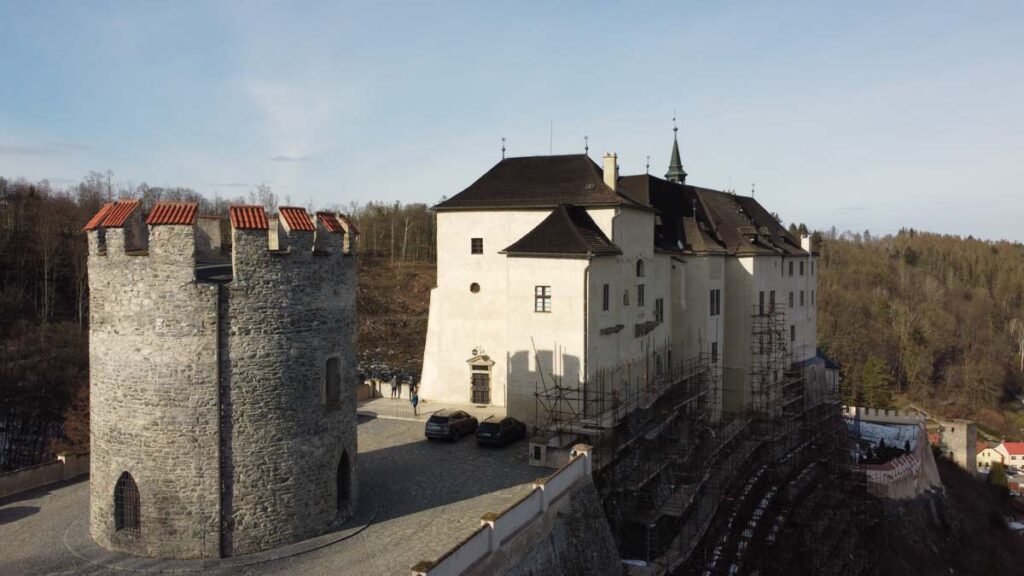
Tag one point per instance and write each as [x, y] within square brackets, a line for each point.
[997, 477]
[877, 383]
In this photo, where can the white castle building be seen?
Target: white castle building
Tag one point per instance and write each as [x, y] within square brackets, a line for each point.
[555, 268]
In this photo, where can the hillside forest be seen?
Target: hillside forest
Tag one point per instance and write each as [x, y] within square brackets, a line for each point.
[932, 320]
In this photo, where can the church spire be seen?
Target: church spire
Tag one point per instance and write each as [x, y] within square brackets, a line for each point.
[675, 169]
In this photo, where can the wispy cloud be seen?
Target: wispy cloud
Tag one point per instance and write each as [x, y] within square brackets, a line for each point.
[232, 185]
[58, 149]
[286, 158]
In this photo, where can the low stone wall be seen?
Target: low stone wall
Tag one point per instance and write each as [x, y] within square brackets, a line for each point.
[884, 416]
[498, 528]
[907, 476]
[65, 467]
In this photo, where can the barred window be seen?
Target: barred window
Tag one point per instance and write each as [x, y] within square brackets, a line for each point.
[542, 298]
[476, 245]
[126, 505]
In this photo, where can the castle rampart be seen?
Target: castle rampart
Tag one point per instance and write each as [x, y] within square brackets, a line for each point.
[223, 413]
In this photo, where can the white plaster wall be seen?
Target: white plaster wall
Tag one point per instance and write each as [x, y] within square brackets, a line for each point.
[543, 346]
[746, 278]
[461, 321]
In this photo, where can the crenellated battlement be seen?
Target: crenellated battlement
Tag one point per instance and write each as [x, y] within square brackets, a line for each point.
[174, 232]
[884, 416]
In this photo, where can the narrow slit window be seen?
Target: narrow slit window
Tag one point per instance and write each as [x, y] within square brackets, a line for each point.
[332, 382]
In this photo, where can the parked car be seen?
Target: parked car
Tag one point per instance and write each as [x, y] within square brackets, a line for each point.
[500, 432]
[450, 425]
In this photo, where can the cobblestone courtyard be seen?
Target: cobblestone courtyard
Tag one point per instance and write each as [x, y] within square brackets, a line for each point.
[428, 496]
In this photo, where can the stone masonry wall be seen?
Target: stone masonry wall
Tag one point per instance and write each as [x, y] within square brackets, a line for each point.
[212, 396]
[152, 349]
[285, 314]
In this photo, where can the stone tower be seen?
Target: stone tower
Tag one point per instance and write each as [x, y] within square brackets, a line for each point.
[960, 442]
[222, 375]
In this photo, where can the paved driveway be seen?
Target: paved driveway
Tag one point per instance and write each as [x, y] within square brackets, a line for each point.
[429, 496]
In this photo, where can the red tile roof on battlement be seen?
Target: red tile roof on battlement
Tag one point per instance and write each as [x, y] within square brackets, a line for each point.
[349, 224]
[296, 218]
[249, 218]
[97, 219]
[330, 222]
[119, 213]
[183, 213]
[112, 215]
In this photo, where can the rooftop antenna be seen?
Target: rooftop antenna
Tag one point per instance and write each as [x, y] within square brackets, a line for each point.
[751, 189]
[648, 169]
[586, 145]
[502, 147]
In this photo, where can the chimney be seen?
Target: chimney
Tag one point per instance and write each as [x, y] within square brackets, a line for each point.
[611, 170]
[805, 242]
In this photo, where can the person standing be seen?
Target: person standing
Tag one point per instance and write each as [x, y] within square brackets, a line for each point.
[414, 399]
[394, 387]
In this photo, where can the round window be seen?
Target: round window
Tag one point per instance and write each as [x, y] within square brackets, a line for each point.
[474, 287]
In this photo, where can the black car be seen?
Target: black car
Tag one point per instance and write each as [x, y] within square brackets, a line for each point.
[495, 432]
[450, 425]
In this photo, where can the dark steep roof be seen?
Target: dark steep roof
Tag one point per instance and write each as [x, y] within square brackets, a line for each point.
[701, 220]
[539, 182]
[567, 231]
[746, 227]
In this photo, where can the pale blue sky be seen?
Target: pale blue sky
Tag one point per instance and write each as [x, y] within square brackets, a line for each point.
[854, 114]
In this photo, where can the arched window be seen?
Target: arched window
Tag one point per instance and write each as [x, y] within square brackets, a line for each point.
[344, 481]
[332, 383]
[640, 268]
[126, 505]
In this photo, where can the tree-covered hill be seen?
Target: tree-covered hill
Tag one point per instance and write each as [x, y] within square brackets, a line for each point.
[925, 318]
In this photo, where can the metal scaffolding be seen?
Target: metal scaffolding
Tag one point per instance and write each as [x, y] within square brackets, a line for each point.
[689, 489]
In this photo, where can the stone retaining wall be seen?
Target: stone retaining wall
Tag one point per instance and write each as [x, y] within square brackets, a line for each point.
[65, 467]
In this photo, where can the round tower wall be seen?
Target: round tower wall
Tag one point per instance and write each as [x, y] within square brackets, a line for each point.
[154, 395]
[284, 316]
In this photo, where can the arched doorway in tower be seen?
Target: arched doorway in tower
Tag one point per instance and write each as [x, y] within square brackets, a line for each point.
[126, 505]
[344, 481]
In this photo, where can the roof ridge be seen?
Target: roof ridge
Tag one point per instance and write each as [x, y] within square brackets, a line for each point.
[574, 226]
